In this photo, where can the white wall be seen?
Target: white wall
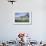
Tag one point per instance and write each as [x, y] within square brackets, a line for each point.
[9, 31]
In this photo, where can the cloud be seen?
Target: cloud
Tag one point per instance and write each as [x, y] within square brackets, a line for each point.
[20, 14]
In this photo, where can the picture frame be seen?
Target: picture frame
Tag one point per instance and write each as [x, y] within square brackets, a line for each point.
[24, 17]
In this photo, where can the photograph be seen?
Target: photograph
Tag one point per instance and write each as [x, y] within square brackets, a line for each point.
[22, 18]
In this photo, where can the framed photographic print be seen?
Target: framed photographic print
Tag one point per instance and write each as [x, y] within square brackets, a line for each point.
[23, 18]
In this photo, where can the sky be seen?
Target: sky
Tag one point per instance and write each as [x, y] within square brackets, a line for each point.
[20, 14]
